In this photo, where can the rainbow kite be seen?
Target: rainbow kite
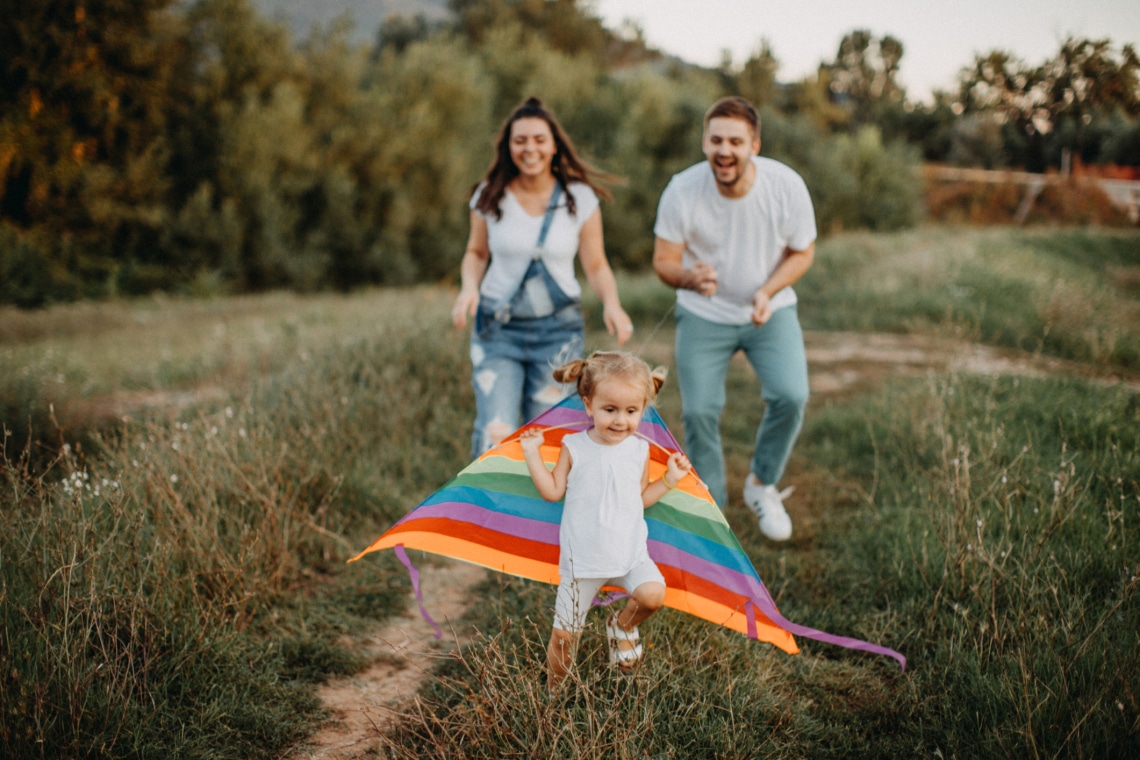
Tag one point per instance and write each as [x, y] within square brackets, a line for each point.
[491, 515]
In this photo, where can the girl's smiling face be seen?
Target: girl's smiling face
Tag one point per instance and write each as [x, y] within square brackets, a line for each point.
[616, 408]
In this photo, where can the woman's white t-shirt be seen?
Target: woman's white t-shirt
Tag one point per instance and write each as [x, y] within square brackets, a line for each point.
[513, 241]
[603, 532]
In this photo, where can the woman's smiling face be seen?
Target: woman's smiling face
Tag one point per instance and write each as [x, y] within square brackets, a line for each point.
[532, 146]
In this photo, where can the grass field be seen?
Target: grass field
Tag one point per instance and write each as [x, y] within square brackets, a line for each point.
[183, 481]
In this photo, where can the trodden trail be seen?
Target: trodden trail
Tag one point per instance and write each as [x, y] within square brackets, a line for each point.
[403, 650]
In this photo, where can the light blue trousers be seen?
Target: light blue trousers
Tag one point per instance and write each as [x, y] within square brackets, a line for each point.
[511, 367]
[776, 353]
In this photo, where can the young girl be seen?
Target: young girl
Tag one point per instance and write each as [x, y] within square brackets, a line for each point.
[603, 473]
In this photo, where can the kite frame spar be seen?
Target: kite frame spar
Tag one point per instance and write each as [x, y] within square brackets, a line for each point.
[490, 514]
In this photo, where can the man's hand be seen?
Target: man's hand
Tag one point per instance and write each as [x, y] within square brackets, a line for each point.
[761, 308]
[668, 258]
[701, 278]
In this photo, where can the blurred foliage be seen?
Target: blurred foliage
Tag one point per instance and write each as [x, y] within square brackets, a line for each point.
[195, 147]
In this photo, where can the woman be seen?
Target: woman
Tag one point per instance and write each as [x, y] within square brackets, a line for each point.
[536, 208]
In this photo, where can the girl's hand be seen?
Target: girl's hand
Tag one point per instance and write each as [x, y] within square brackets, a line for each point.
[618, 323]
[531, 440]
[678, 467]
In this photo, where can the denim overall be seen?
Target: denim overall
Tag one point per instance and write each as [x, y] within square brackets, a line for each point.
[517, 343]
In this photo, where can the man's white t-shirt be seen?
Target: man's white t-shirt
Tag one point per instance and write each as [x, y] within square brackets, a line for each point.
[512, 241]
[742, 238]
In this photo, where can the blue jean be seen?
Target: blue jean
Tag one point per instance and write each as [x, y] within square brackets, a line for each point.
[776, 353]
[511, 365]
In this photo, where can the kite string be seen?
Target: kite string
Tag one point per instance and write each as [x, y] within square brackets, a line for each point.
[645, 343]
[569, 425]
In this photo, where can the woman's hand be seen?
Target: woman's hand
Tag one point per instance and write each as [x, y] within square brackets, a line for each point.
[466, 303]
[618, 323]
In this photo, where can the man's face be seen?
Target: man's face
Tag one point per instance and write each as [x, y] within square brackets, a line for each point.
[729, 145]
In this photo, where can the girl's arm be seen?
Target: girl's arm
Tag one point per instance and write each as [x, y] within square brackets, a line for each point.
[676, 469]
[551, 484]
[592, 254]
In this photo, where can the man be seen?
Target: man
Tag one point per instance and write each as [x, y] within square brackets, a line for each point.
[733, 235]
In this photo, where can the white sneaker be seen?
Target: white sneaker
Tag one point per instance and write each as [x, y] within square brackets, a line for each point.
[768, 505]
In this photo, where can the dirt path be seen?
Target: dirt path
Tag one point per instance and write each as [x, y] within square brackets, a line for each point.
[403, 649]
[840, 363]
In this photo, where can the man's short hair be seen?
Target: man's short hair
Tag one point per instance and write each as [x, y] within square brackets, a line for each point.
[735, 107]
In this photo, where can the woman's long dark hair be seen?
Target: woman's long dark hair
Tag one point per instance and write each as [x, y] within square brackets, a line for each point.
[566, 165]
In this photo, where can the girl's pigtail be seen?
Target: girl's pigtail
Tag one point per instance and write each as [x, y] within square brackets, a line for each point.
[570, 371]
[657, 379]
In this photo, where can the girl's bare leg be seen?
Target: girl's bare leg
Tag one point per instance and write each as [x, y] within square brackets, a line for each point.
[559, 656]
[645, 600]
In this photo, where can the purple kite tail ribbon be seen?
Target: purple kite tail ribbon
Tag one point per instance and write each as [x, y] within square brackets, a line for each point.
[414, 574]
[768, 607]
[608, 598]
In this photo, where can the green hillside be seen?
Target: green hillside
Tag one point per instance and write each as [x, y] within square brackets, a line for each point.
[367, 15]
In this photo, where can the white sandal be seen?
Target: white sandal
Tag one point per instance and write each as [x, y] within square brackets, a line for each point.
[625, 659]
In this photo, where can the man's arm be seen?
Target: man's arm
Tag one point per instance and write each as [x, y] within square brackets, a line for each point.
[667, 262]
[793, 266]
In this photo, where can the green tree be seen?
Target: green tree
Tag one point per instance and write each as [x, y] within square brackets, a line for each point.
[863, 78]
[756, 80]
[1050, 107]
[85, 92]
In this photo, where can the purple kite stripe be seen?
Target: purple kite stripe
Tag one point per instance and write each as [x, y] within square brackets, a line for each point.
[731, 580]
[563, 417]
[511, 525]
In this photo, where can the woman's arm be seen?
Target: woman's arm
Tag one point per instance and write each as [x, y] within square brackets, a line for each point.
[592, 253]
[551, 484]
[475, 261]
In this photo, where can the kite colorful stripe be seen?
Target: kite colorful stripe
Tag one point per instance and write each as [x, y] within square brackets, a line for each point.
[491, 515]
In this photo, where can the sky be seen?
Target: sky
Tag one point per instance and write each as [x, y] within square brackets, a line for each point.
[939, 38]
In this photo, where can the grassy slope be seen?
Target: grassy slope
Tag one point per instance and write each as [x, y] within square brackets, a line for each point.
[986, 527]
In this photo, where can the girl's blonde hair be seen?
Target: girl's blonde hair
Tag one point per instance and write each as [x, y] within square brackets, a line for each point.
[601, 365]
